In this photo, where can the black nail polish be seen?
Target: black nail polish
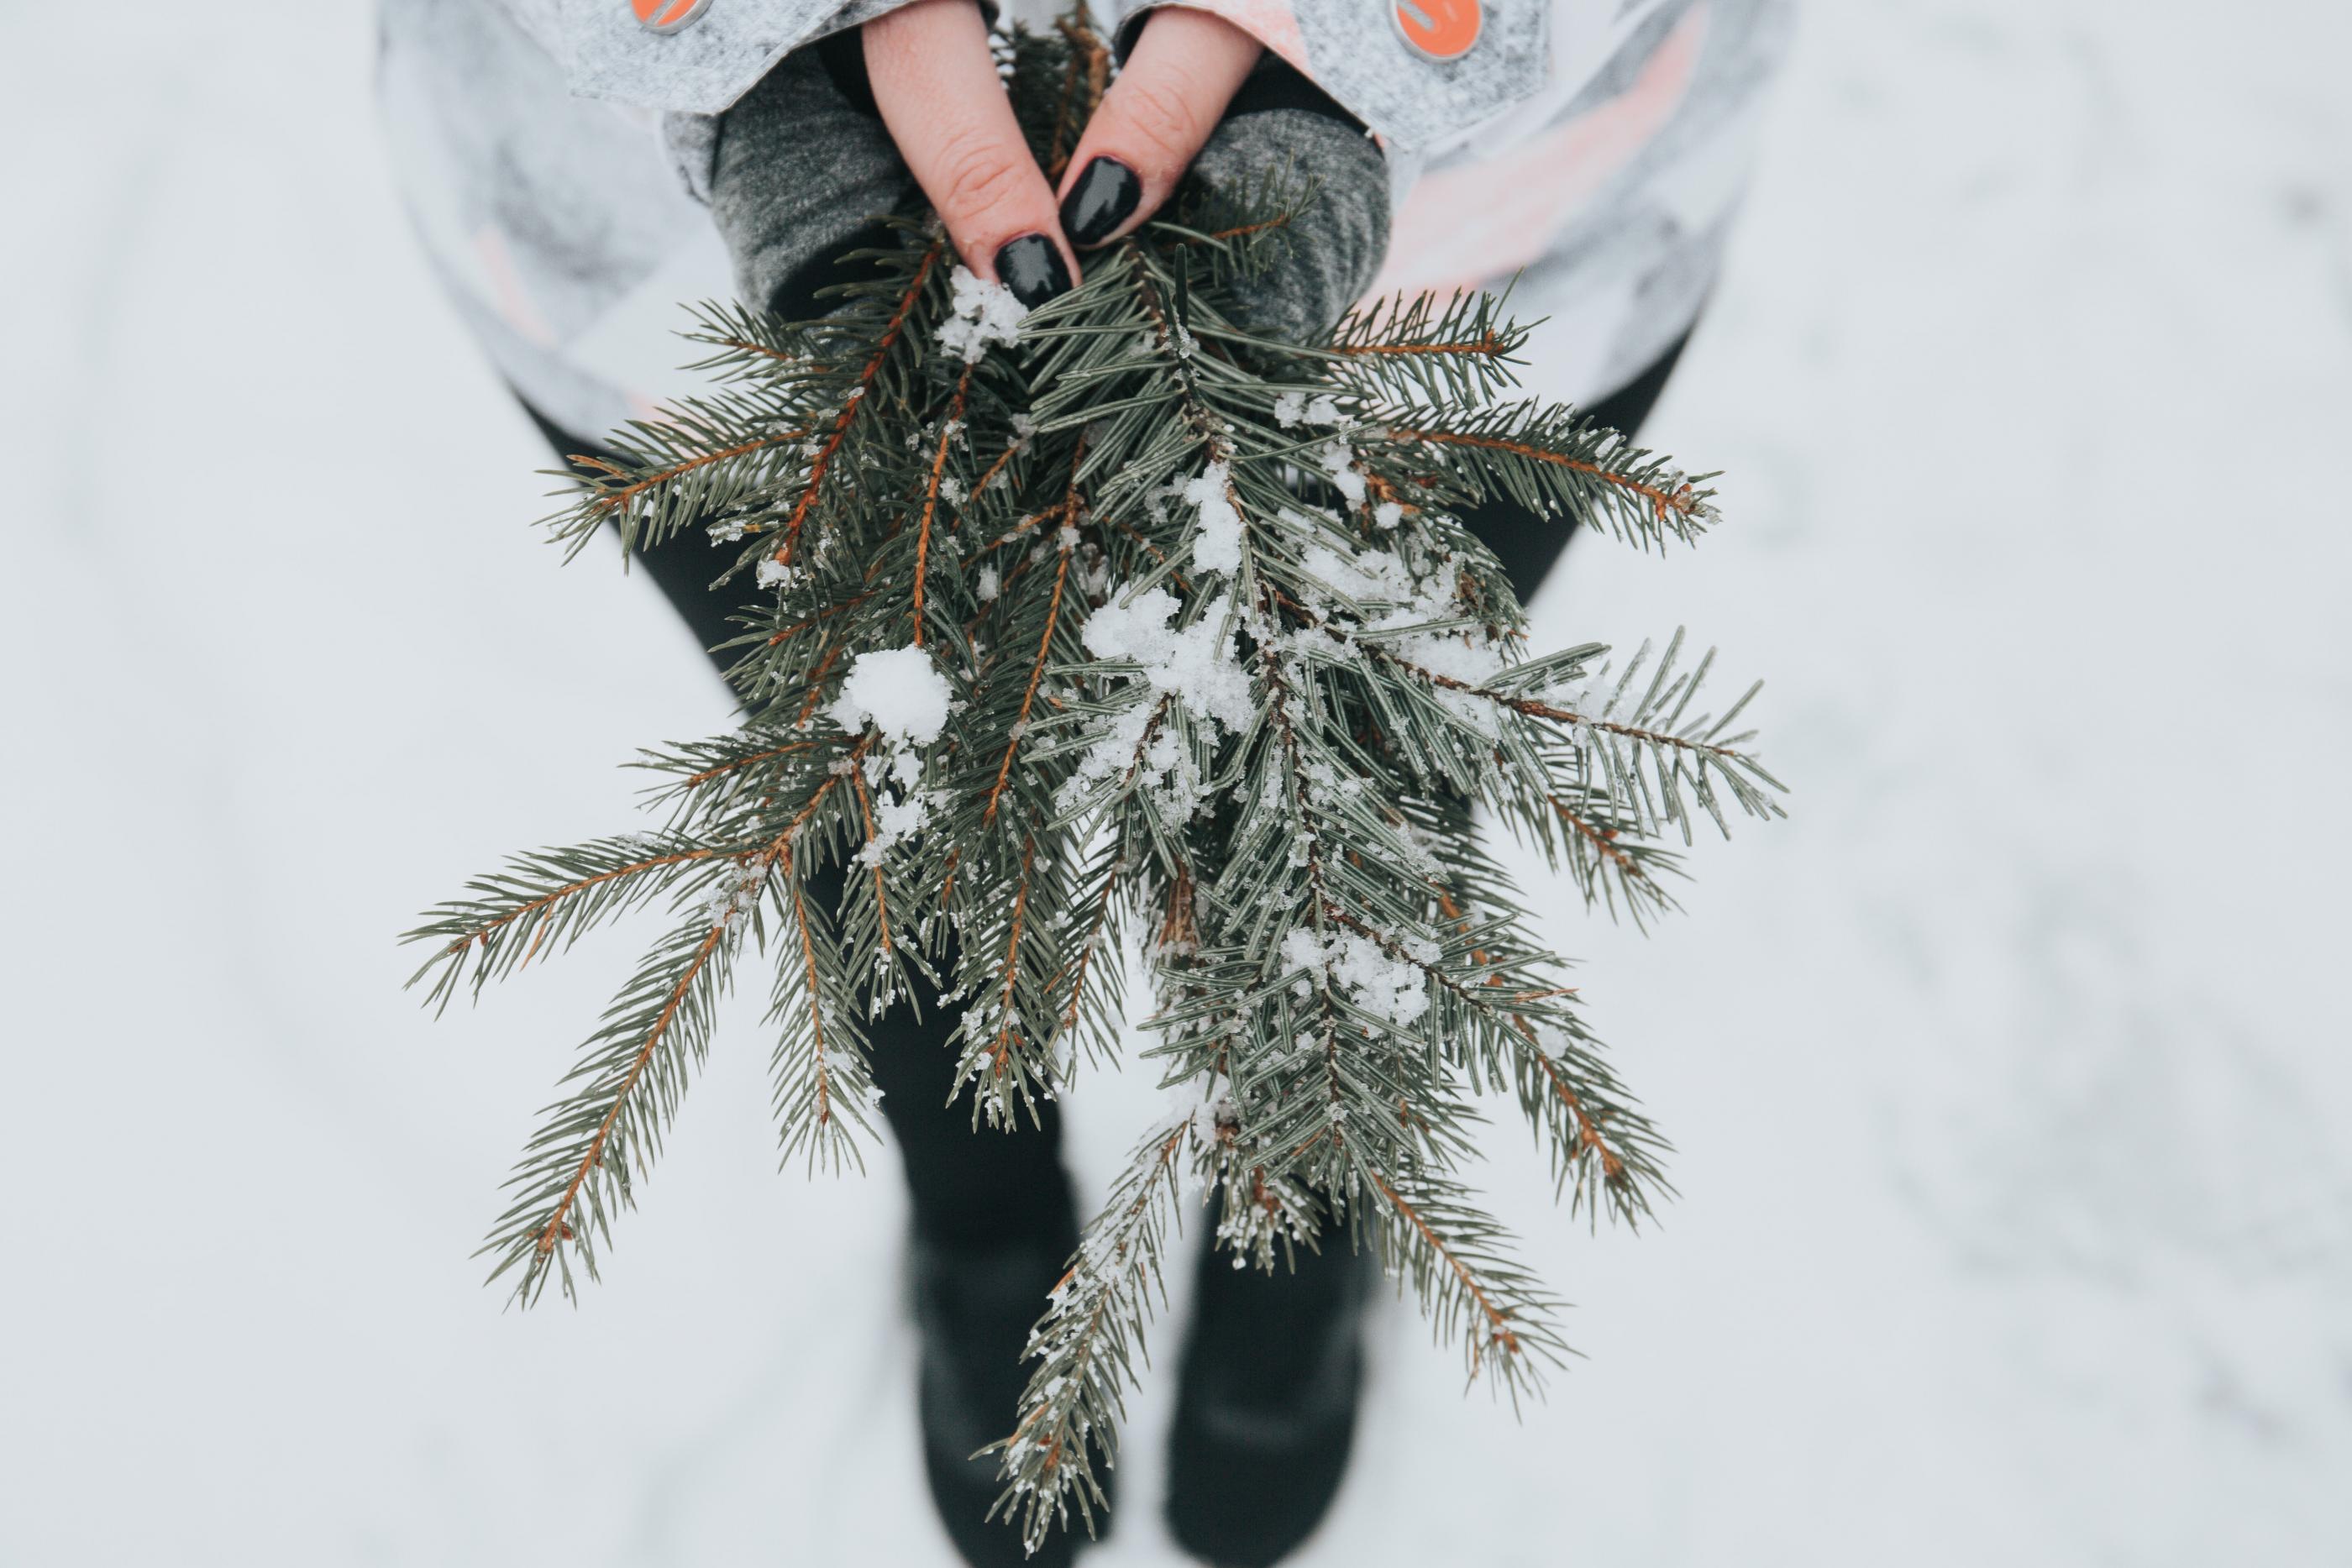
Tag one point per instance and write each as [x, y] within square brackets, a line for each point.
[1104, 198]
[1032, 270]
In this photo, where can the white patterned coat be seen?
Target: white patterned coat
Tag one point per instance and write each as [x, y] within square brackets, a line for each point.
[1595, 149]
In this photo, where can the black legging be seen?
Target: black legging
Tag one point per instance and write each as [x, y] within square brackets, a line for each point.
[968, 1188]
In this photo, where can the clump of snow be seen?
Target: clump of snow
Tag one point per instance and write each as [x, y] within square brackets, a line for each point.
[1217, 545]
[1399, 601]
[1554, 1042]
[985, 588]
[1339, 461]
[741, 894]
[985, 313]
[1094, 570]
[1195, 664]
[1328, 786]
[1394, 989]
[1590, 702]
[1302, 950]
[897, 763]
[773, 574]
[1368, 577]
[1388, 514]
[898, 690]
[1291, 409]
[894, 821]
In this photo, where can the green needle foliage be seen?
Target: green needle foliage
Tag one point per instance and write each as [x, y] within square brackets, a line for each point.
[1228, 681]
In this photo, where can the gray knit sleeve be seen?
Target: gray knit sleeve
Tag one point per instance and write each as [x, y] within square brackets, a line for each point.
[801, 172]
[1282, 126]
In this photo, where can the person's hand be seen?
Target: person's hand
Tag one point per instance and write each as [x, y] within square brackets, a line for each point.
[851, 128]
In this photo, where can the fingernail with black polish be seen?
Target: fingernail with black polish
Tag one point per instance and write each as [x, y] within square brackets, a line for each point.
[1104, 198]
[1032, 270]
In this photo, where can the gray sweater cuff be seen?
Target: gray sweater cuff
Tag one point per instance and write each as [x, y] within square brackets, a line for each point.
[1336, 240]
[799, 173]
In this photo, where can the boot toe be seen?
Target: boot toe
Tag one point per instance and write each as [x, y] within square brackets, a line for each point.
[974, 1308]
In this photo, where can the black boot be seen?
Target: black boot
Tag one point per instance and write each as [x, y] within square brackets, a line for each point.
[974, 1306]
[1266, 1403]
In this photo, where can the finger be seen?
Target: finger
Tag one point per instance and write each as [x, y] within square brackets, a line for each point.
[937, 87]
[1175, 88]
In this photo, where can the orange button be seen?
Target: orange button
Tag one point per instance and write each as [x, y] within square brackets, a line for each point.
[1442, 29]
[668, 15]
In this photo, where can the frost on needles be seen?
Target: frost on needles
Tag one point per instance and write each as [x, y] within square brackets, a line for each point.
[1110, 628]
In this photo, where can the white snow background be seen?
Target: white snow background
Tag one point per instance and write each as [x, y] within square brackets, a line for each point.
[2008, 1077]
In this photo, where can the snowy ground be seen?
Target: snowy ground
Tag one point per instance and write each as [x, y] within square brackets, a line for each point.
[2017, 1218]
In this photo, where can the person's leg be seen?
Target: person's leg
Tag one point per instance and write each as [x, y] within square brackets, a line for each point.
[994, 1223]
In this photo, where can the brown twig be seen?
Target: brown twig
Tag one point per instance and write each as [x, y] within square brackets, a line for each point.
[1004, 1041]
[1490, 343]
[1498, 1320]
[605, 501]
[1603, 844]
[825, 614]
[1679, 501]
[556, 1228]
[482, 934]
[816, 684]
[931, 494]
[859, 396]
[1036, 672]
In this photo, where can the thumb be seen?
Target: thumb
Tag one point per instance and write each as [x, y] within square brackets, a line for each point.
[1173, 89]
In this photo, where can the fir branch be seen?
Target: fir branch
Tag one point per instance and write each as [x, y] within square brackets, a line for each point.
[1454, 1253]
[1029, 693]
[518, 912]
[1085, 1347]
[874, 848]
[577, 1170]
[822, 1083]
[851, 404]
[1557, 464]
[1001, 1048]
